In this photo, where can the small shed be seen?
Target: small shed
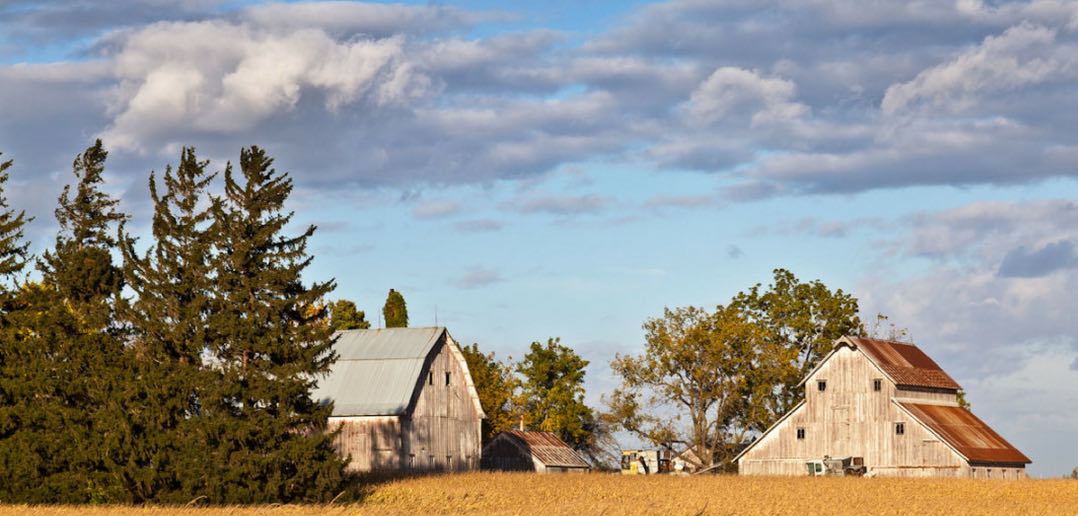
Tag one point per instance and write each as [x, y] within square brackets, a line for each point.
[542, 452]
[403, 400]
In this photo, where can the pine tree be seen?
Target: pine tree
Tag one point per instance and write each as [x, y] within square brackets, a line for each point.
[168, 320]
[395, 311]
[268, 437]
[72, 435]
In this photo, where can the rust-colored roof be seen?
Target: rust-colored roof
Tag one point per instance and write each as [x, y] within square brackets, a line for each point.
[966, 433]
[905, 363]
[548, 449]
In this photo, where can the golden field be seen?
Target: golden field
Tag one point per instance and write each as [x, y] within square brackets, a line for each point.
[507, 493]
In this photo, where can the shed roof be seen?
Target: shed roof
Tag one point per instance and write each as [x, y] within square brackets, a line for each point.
[966, 433]
[547, 448]
[905, 363]
[377, 371]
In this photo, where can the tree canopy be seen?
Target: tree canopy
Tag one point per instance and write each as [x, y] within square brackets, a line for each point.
[495, 383]
[551, 396]
[395, 311]
[345, 316]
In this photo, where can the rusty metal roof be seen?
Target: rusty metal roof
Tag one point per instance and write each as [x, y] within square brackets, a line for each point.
[547, 448]
[906, 364]
[966, 433]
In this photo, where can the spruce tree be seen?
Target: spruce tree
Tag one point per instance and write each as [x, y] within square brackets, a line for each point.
[14, 394]
[13, 250]
[268, 435]
[395, 311]
[168, 321]
[72, 435]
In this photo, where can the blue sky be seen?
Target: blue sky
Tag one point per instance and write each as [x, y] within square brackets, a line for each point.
[570, 168]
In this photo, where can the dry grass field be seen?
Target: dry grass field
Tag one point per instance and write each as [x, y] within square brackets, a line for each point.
[612, 494]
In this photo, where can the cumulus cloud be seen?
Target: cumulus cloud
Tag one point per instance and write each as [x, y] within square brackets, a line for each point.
[1032, 263]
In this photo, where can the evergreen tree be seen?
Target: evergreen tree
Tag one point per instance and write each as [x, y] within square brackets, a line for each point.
[552, 393]
[13, 254]
[14, 393]
[345, 316]
[268, 437]
[395, 310]
[70, 440]
[168, 319]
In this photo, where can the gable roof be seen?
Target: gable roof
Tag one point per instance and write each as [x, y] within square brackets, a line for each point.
[377, 371]
[905, 363]
[545, 447]
[965, 432]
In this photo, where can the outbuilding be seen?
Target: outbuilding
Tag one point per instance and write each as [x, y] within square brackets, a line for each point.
[893, 406]
[541, 452]
[404, 401]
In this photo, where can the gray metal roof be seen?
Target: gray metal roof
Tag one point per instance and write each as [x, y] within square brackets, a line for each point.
[376, 371]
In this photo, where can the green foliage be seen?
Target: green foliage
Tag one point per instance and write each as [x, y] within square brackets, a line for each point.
[495, 384]
[395, 311]
[804, 320]
[168, 334]
[267, 437]
[551, 396]
[13, 250]
[66, 433]
[710, 369]
[345, 316]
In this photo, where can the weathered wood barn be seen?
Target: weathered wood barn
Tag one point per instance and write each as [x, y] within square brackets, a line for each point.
[404, 400]
[542, 452]
[891, 404]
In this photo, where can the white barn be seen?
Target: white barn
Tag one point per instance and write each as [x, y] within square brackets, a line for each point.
[404, 400]
[891, 404]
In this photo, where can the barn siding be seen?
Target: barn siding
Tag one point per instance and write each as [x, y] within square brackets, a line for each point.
[849, 418]
[373, 442]
[443, 432]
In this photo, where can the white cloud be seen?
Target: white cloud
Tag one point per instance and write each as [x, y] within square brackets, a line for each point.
[732, 90]
[1021, 56]
[226, 78]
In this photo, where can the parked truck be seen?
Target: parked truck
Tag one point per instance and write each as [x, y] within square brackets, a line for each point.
[828, 467]
[645, 462]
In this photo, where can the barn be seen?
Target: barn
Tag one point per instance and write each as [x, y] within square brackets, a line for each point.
[891, 404]
[542, 452]
[403, 400]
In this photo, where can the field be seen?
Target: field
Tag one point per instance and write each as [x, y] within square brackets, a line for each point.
[612, 494]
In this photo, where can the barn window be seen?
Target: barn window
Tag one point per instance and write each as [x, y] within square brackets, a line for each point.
[411, 461]
[900, 428]
[821, 385]
[447, 377]
[431, 461]
[800, 433]
[877, 384]
[448, 462]
[430, 378]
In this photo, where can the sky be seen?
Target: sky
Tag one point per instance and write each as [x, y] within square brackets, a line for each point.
[568, 169]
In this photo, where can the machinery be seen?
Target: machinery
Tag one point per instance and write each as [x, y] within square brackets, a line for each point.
[828, 467]
[645, 462]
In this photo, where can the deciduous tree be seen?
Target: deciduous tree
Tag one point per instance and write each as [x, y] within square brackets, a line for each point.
[496, 384]
[551, 396]
[345, 316]
[801, 319]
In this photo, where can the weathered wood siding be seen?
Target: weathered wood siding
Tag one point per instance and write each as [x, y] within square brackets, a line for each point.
[443, 432]
[850, 418]
[373, 442]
